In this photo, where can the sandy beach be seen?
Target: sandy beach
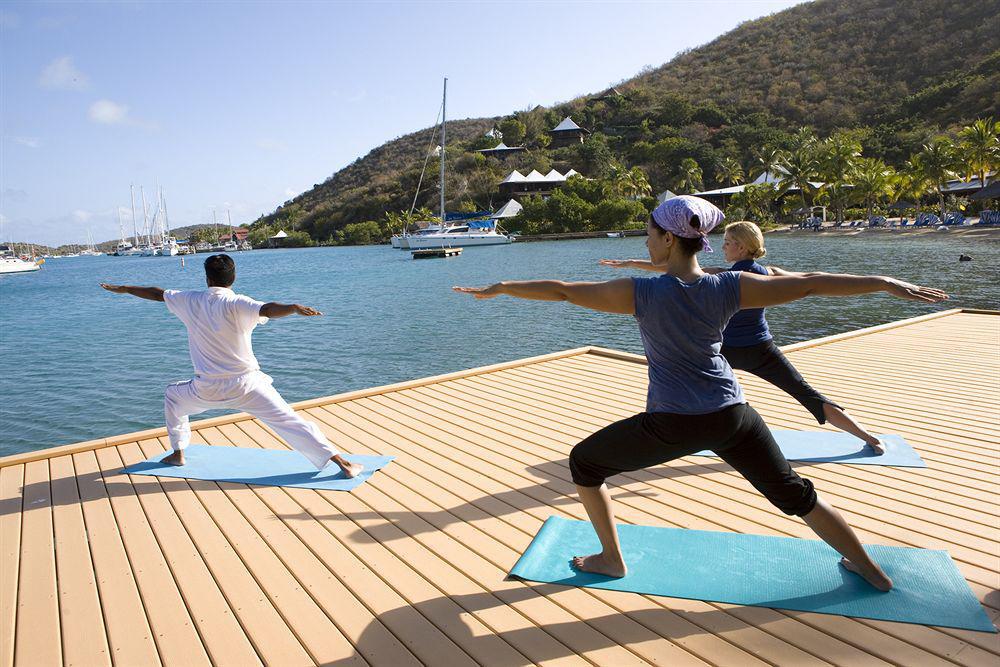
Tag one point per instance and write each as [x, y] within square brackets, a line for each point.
[968, 232]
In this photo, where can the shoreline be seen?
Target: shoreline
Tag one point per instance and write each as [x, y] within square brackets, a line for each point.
[971, 232]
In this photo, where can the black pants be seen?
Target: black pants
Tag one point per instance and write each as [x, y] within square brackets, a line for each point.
[737, 434]
[767, 362]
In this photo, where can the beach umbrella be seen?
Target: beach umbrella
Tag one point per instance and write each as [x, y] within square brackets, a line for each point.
[991, 191]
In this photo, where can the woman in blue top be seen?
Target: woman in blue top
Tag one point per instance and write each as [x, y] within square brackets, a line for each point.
[694, 401]
[746, 342]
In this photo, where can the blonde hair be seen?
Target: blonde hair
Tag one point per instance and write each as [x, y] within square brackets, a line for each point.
[749, 236]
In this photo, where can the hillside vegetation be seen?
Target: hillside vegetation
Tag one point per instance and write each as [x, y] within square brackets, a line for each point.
[880, 75]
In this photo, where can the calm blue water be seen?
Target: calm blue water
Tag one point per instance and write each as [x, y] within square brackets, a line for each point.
[81, 363]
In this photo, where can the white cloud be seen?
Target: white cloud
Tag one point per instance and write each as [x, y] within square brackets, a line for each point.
[82, 216]
[272, 145]
[62, 74]
[108, 112]
[357, 97]
[30, 142]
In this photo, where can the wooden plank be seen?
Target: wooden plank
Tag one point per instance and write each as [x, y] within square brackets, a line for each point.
[218, 627]
[265, 627]
[422, 626]
[177, 640]
[11, 481]
[85, 640]
[129, 636]
[314, 629]
[38, 640]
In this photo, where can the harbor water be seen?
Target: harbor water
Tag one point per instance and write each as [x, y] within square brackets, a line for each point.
[81, 363]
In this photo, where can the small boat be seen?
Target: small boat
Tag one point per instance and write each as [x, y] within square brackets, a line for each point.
[616, 235]
[11, 263]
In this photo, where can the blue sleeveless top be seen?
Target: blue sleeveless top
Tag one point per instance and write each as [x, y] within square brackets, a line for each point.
[681, 326]
[747, 327]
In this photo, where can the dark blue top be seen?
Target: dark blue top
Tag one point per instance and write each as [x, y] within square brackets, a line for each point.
[681, 326]
[747, 327]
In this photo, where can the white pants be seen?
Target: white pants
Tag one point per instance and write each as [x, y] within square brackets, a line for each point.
[250, 393]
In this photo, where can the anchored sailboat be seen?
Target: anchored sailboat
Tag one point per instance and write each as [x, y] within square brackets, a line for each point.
[479, 232]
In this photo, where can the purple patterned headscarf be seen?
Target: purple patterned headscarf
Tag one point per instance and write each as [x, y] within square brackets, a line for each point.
[674, 216]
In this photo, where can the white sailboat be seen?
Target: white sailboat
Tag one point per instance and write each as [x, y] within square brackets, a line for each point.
[91, 249]
[445, 235]
[11, 263]
[168, 244]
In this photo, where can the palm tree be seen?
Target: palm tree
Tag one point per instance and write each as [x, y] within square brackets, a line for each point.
[935, 163]
[768, 160]
[872, 181]
[730, 171]
[689, 176]
[980, 148]
[636, 183]
[800, 167]
[838, 157]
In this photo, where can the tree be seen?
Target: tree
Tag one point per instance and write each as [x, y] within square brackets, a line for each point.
[936, 163]
[799, 168]
[980, 148]
[838, 158]
[729, 170]
[513, 131]
[631, 183]
[873, 180]
[689, 176]
[755, 201]
[362, 233]
[768, 160]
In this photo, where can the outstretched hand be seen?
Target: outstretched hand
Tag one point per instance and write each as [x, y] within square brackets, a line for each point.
[480, 292]
[306, 311]
[902, 290]
[616, 263]
[117, 289]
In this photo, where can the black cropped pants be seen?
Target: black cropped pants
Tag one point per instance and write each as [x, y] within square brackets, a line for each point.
[737, 434]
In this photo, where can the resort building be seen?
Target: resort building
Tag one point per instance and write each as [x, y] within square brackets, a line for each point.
[278, 240]
[567, 133]
[518, 185]
[720, 196]
[502, 151]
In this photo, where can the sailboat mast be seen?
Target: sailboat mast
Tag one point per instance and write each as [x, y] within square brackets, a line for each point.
[166, 220]
[135, 229]
[444, 110]
[145, 217]
[229, 218]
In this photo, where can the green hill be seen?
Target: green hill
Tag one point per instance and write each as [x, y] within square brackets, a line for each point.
[897, 72]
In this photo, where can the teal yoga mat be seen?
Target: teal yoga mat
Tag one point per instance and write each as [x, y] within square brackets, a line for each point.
[267, 467]
[763, 571]
[831, 447]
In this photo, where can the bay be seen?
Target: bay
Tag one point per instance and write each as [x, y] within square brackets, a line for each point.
[81, 363]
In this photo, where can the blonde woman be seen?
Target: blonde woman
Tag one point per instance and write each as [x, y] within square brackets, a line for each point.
[746, 342]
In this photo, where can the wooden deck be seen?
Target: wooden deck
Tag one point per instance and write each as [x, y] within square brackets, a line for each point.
[102, 568]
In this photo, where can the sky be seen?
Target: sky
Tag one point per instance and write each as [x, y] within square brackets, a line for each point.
[240, 106]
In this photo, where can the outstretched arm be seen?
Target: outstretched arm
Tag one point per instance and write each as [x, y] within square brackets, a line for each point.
[274, 309]
[647, 265]
[613, 296]
[151, 293]
[763, 291]
[776, 271]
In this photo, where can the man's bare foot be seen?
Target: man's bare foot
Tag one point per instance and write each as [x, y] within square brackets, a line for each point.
[875, 444]
[347, 467]
[600, 564]
[175, 459]
[876, 578]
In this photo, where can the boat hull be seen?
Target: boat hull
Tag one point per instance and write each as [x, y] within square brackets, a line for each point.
[449, 240]
[17, 266]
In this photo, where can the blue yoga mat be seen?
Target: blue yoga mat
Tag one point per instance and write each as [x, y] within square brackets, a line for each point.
[763, 571]
[267, 467]
[829, 447]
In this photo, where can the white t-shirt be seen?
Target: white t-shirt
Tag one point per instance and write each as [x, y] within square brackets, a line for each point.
[219, 324]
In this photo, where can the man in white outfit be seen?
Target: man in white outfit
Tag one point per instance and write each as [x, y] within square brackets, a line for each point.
[226, 373]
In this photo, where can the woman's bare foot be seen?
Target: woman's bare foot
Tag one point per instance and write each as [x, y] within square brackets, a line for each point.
[348, 468]
[876, 578]
[600, 564]
[175, 459]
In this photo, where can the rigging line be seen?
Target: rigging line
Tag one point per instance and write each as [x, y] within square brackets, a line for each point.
[426, 159]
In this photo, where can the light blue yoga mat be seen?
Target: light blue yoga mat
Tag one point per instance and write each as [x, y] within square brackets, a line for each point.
[829, 447]
[267, 467]
[763, 571]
